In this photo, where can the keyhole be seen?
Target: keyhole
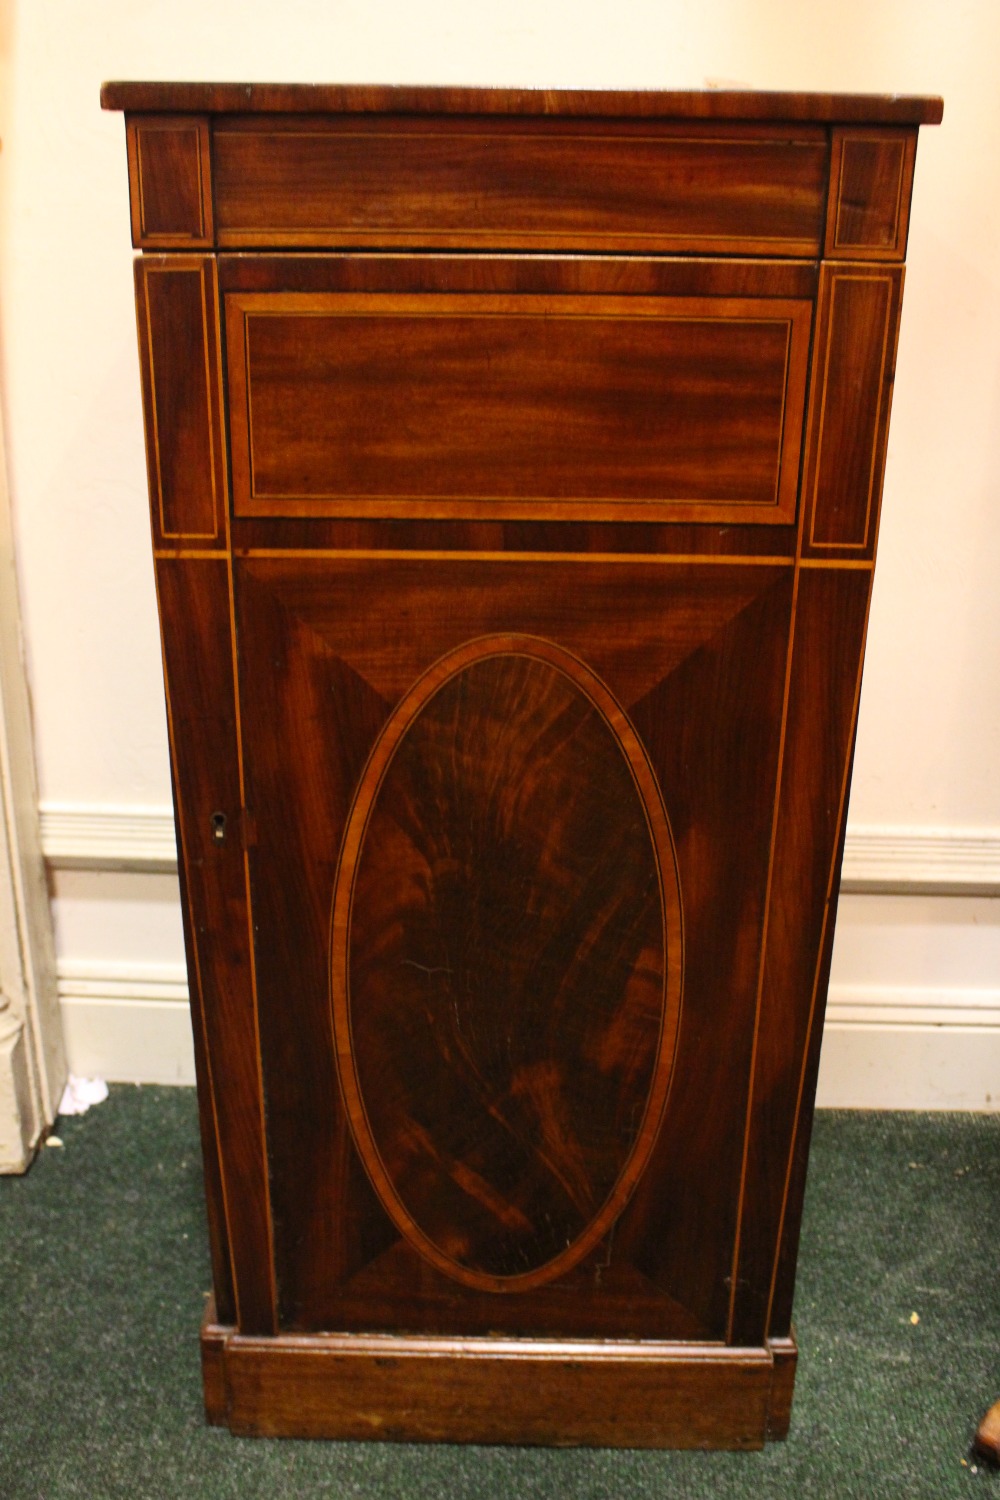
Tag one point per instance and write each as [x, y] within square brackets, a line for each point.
[219, 827]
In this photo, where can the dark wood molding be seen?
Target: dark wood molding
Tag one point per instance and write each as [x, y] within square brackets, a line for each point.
[397, 99]
[579, 1393]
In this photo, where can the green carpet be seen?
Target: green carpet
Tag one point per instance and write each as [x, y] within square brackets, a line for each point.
[103, 1258]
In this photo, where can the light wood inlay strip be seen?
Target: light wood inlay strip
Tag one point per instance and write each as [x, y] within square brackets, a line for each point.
[624, 558]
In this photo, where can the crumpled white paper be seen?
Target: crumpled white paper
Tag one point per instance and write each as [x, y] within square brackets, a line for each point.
[80, 1093]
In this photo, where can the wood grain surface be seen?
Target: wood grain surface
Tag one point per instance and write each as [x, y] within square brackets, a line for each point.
[353, 404]
[831, 615]
[393, 99]
[497, 183]
[170, 181]
[179, 356]
[871, 179]
[664, 638]
[854, 367]
[505, 915]
[548, 273]
[639, 1395]
[202, 719]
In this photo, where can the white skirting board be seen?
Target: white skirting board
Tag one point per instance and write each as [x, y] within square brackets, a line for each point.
[866, 1063]
[142, 1041]
[949, 860]
[128, 1024]
[913, 1020]
[909, 1066]
[911, 1048]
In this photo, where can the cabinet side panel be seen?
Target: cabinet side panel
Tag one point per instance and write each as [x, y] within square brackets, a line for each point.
[831, 613]
[194, 604]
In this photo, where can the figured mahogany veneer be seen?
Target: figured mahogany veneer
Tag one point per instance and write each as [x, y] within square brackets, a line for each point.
[498, 397]
[538, 186]
[515, 462]
[441, 966]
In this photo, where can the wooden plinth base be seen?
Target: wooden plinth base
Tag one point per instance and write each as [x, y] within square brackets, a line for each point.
[494, 1390]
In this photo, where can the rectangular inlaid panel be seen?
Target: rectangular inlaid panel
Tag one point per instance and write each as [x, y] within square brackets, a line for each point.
[871, 176]
[854, 362]
[170, 181]
[591, 407]
[507, 184]
[179, 357]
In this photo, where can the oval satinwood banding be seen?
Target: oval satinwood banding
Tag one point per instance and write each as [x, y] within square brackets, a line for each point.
[506, 963]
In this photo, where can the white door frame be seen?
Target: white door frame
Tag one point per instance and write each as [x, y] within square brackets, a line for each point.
[32, 1056]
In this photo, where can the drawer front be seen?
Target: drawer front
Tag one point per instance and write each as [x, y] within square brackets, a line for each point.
[509, 184]
[526, 406]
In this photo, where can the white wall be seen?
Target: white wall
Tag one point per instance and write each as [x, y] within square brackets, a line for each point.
[929, 739]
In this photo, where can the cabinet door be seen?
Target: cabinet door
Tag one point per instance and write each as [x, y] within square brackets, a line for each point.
[511, 832]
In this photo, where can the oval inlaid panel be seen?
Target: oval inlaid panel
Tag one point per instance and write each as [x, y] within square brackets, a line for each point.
[506, 963]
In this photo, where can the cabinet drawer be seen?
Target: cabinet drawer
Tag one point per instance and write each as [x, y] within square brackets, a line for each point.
[524, 405]
[538, 184]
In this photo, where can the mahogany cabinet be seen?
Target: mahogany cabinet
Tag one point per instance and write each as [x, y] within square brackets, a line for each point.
[514, 462]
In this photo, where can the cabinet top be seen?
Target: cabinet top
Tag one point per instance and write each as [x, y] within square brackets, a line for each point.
[405, 99]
